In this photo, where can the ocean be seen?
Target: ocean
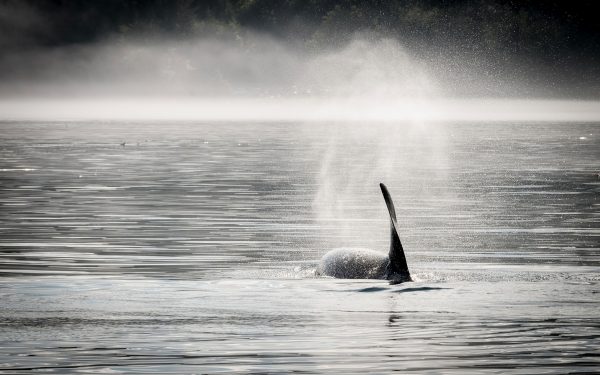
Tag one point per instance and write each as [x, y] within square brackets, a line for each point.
[190, 247]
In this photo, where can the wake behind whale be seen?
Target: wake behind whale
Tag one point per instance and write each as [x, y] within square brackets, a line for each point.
[369, 264]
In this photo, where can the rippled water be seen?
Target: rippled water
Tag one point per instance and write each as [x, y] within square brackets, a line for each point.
[191, 248]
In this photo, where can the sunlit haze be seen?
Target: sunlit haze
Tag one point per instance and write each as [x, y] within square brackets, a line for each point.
[367, 78]
[307, 109]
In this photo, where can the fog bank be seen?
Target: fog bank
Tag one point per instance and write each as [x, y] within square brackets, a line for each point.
[299, 109]
[260, 79]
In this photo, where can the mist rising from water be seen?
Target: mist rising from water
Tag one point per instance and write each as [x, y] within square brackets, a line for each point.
[258, 66]
[381, 152]
[258, 78]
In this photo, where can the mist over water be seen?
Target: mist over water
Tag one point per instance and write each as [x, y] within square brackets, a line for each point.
[259, 66]
[259, 78]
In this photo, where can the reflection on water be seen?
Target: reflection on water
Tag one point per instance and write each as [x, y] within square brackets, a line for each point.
[191, 247]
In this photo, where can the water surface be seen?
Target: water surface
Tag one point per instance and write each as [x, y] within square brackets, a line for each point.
[190, 247]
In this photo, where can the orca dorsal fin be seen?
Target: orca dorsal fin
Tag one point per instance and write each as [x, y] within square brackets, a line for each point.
[398, 268]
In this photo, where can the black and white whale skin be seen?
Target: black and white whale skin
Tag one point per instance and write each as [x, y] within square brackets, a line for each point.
[368, 264]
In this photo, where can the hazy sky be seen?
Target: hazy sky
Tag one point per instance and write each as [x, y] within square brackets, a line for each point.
[187, 47]
[374, 52]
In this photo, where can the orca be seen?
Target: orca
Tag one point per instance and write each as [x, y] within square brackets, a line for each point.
[346, 263]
